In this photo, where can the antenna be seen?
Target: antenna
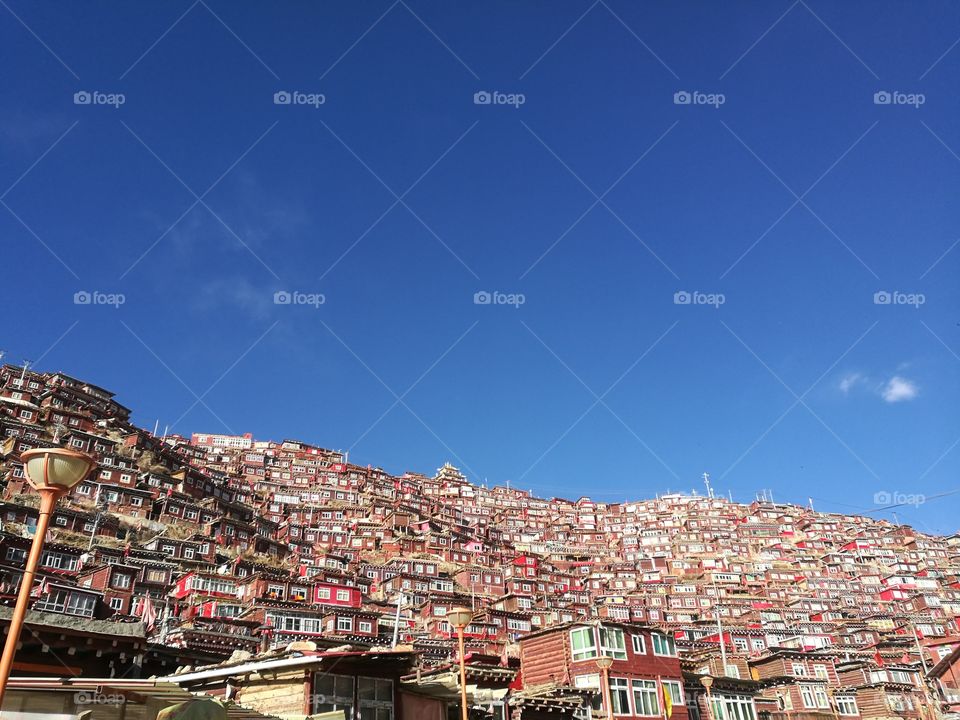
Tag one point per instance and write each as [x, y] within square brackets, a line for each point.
[706, 481]
[26, 364]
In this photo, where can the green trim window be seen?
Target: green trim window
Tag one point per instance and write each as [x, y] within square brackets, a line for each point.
[619, 696]
[664, 645]
[613, 643]
[583, 643]
[645, 698]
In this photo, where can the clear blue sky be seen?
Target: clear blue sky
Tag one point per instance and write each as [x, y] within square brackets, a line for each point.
[598, 198]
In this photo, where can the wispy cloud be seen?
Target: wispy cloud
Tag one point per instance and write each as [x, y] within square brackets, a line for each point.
[849, 381]
[889, 388]
[899, 389]
[237, 294]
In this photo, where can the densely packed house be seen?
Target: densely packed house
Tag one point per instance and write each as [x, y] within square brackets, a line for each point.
[215, 551]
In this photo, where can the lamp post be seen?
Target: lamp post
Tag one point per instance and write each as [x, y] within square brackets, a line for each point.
[604, 662]
[707, 683]
[52, 472]
[459, 618]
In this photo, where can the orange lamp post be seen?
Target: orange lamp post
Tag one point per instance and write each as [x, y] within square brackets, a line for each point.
[459, 618]
[707, 683]
[604, 662]
[52, 472]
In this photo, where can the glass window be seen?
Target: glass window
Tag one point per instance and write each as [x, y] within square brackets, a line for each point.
[847, 705]
[664, 645]
[584, 643]
[639, 646]
[332, 692]
[619, 696]
[645, 698]
[612, 643]
[675, 690]
[376, 698]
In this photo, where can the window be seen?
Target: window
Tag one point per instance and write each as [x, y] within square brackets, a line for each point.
[820, 671]
[733, 707]
[664, 645]
[899, 702]
[121, 581]
[814, 696]
[294, 623]
[116, 603]
[584, 643]
[376, 698]
[323, 593]
[332, 693]
[60, 520]
[612, 643]
[69, 603]
[587, 681]
[620, 696]
[732, 671]
[365, 626]
[16, 554]
[645, 698]
[344, 595]
[675, 690]
[136, 501]
[846, 704]
[799, 669]
[344, 623]
[58, 561]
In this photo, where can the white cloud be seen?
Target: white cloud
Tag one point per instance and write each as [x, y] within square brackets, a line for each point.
[899, 389]
[848, 381]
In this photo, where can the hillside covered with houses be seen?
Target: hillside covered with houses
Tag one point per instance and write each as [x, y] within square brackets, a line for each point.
[213, 560]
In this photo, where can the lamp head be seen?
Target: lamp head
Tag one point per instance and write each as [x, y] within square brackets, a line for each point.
[707, 682]
[56, 468]
[459, 617]
[604, 662]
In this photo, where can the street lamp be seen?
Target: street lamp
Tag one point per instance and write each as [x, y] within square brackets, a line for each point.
[459, 618]
[605, 662]
[52, 472]
[707, 683]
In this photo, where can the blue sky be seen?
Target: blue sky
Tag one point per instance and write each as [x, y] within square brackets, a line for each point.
[587, 198]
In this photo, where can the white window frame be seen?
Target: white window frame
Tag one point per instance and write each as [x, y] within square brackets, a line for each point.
[588, 650]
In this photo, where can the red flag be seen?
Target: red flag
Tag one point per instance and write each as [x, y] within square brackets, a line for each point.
[42, 589]
[148, 613]
[878, 658]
